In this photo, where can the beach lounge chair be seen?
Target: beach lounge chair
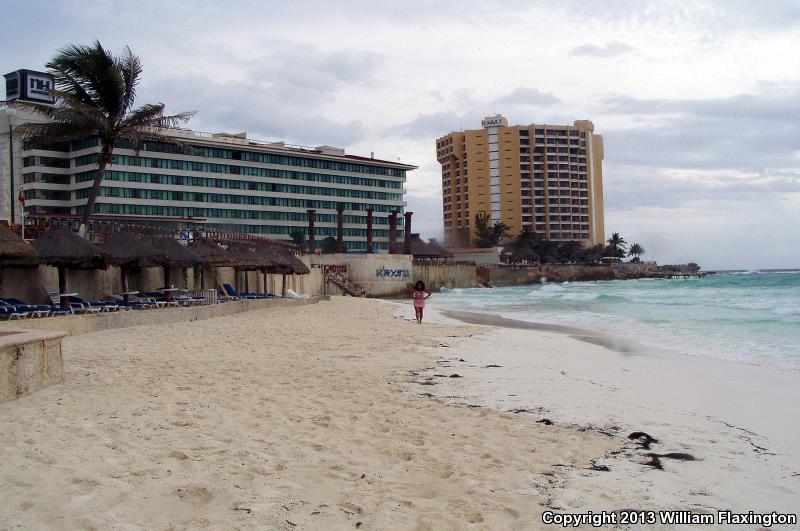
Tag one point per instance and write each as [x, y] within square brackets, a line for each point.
[74, 307]
[10, 312]
[34, 310]
[160, 297]
[80, 305]
[236, 296]
[104, 305]
[230, 292]
[137, 303]
[259, 295]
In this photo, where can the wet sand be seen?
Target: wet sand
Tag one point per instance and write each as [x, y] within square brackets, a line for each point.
[735, 420]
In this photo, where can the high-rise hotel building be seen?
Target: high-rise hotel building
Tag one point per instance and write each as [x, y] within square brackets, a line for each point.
[545, 177]
[216, 181]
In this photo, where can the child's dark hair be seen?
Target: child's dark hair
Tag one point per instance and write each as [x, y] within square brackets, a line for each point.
[419, 286]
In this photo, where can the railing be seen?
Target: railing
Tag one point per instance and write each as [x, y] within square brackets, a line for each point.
[98, 231]
[341, 269]
[441, 262]
[351, 288]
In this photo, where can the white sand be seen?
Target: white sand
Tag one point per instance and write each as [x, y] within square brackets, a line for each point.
[276, 419]
[740, 422]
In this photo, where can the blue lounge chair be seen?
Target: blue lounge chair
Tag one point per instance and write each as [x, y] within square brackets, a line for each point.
[236, 296]
[34, 310]
[230, 292]
[161, 298]
[10, 312]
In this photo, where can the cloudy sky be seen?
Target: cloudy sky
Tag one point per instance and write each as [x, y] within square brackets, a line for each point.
[698, 101]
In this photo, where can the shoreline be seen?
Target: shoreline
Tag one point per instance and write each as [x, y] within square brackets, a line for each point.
[595, 337]
[726, 416]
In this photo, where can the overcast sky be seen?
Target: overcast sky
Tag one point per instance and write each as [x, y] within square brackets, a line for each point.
[698, 101]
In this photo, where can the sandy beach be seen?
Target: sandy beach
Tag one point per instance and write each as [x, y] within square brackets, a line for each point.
[296, 418]
[346, 414]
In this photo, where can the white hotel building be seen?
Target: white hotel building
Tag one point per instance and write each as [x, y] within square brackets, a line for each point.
[216, 181]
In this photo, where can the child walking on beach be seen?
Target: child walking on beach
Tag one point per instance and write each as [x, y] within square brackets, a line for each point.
[419, 295]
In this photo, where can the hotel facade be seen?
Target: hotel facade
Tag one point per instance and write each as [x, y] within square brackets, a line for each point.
[548, 178]
[216, 181]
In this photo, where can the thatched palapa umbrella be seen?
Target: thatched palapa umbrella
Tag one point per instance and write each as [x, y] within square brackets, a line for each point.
[212, 255]
[251, 258]
[423, 250]
[285, 261]
[14, 251]
[64, 249]
[177, 255]
[126, 251]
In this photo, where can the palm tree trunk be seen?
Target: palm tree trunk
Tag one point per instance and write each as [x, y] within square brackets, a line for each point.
[105, 158]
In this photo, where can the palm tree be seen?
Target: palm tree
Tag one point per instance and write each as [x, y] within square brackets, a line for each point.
[526, 238]
[570, 251]
[499, 232]
[483, 232]
[616, 244]
[636, 251]
[488, 235]
[94, 96]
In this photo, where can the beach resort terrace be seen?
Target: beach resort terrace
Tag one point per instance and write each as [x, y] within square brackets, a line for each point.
[227, 182]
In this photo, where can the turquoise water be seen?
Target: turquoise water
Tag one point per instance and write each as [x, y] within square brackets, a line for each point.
[751, 317]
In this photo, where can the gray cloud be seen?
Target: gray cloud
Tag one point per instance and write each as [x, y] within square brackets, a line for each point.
[436, 124]
[264, 109]
[713, 16]
[282, 94]
[611, 49]
[528, 96]
[631, 187]
[754, 131]
[433, 125]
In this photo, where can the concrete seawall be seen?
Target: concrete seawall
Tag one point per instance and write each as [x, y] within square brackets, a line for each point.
[29, 361]
[84, 324]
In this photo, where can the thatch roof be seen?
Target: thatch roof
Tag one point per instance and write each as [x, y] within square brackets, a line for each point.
[435, 245]
[62, 247]
[250, 256]
[126, 250]
[14, 250]
[284, 260]
[212, 254]
[176, 254]
[525, 254]
[297, 266]
[421, 249]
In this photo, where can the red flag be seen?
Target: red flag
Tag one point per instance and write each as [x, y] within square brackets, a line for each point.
[21, 196]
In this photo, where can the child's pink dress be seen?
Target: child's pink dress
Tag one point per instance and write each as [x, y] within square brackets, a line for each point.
[419, 299]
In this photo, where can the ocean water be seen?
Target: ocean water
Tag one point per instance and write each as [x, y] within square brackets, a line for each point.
[749, 317]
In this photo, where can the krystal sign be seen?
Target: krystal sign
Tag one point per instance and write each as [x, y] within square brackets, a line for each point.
[30, 85]
[494, 121]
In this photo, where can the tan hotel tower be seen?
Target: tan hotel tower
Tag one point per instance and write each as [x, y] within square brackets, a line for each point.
[546, 177]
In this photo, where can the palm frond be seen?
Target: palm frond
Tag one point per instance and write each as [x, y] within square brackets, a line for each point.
[43, 110]
[52, 131]
[70, 68]
[90, 73]
[131, 68]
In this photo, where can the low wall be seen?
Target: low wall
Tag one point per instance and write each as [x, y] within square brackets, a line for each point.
[442, 276]
[29, 361]
[84, 324]
[502, 276]
[383, 275]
